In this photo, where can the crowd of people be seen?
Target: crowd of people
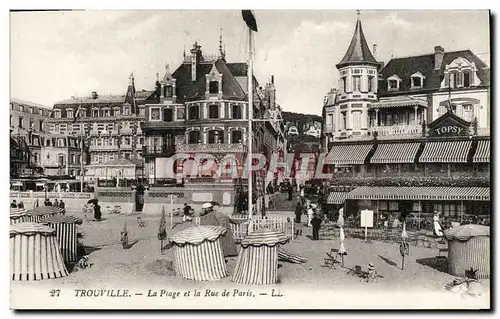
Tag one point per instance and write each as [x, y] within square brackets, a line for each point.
[47, 202]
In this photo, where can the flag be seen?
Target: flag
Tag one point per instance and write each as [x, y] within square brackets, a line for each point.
[249, 19]
[77, 114]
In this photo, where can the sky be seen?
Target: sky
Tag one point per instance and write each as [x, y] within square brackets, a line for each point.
[56, 55]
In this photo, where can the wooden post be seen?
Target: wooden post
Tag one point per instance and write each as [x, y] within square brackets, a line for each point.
[403, 262]
[171, 211]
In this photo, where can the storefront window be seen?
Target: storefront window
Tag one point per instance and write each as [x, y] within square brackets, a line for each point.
[393, 206]
[450, 210]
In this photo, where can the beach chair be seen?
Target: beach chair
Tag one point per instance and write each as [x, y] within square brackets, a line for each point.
[357, 271]
[140, 222]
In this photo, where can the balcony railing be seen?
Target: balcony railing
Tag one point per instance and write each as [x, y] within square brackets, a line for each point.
[207, 180]
[397, 130]
[125, 146]
[193, 148]
[158, 150]
[103, 147]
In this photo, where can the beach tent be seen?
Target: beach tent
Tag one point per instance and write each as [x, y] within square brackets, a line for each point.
[37, 213]
[65, 227]
[469, 247]
[18, 215]
[198, 253]
[34, 253]
[257, 262]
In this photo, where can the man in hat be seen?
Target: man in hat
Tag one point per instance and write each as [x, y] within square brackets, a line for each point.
[372, 273]
[13, 204]
[214, 218]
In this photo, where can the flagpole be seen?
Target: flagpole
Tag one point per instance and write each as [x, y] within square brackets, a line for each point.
[250, 115]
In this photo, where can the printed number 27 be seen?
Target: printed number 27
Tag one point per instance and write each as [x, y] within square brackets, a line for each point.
[55, 292]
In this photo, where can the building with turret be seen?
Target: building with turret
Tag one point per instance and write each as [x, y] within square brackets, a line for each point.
[409, 137]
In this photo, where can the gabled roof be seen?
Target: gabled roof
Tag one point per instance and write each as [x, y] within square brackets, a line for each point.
[405, 67]
[194, 90]
[358, 51]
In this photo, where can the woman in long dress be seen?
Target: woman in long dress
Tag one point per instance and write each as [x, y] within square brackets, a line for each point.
[213, 218]
[438, 229]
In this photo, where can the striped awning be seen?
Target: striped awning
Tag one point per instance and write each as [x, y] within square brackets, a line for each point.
[420, 193]
[395, 153]
[198, 234]
[445, 152]
[30, 229]
[264, 237]
[44, 210]
[482, 152]
[348, 154]
[336, 197]
[399, 101]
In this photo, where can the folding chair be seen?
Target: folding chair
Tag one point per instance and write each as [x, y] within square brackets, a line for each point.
[357, 271]
[140, 222]
[331, 259]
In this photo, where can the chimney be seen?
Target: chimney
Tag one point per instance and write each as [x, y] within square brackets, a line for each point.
[375, 51]
[438, 57]
[94, 95]
[195, 58]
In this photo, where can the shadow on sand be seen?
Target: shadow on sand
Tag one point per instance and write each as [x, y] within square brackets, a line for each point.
[390, 262]
[438, 263]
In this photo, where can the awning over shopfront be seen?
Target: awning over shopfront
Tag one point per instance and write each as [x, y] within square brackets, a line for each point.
[336, 198]
[445, 152]
[482, 152]
[420, 193]
[399, 101]
[395, 153]
[348, 154]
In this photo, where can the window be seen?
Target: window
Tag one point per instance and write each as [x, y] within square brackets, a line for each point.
[450, 210]
[31, 110]
[20, 122]
[236, 112]
[371, 84]
[11, 106]
[117, 112]
[95, 113]
[155, 114]
[215, 137]
[180, 113]
[95, 159]
[194, 112]
[194, 137]
[111, 157]
[236, 137]
[393, 206]
[467, 81]
[106, 113]
[213, 87]
[343, 121]
[168, 91]
[32, 124]
[40, 112]
[168, 115]
[468, 111]
[356, 120]
[60, 159]
[126, 155]
[393, 84]
[126, 111]
[213, 111]
[416, 82]
[40, 125]
[60, 142]
[329, 119]
[21, 108]
[73, 159]
[69, 113]
[454, 79]
[343, 84]
[356, 84]
[126, 140]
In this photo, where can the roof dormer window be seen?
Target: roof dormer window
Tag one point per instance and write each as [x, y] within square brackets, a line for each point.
[393, 83]
[57, 114]
[417, 80]
[69, 113]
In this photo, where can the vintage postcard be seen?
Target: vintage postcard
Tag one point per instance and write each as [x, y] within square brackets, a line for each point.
[248, 159]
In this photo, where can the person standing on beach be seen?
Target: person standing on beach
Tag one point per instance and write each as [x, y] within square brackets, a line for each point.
[97, 211]
[290, 191]
[316, 224]
[298, 212]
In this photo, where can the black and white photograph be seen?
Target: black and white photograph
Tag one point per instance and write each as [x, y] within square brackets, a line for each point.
[250, 159]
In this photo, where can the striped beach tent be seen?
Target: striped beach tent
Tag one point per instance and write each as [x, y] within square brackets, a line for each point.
[257, 262]
[34, 253]
[469, 247]
[18, 215]
[198, 253]
[37, 213]
[65, 227]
